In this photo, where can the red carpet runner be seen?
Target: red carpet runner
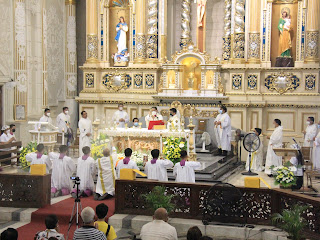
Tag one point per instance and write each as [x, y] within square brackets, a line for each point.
[63, 210]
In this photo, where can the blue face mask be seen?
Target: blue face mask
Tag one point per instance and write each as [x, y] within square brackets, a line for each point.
[136, 124]
[220, 111]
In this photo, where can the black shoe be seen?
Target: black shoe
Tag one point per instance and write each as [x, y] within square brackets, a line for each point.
[96, 196]
[225, 153]
[270, 175]
[219, 152]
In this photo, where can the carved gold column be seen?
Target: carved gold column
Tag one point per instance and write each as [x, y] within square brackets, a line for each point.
[140, 31]
[163, 28]
[185, 23]
[312, 33]
[239, 34]
[227, 31]
[92, 30]
[152, 28]
[254, 32]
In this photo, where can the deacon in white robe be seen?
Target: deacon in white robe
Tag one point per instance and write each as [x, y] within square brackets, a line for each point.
[126, 162]
[275, 142]
[45, 118]
[174, 120]
[63, 120]
[310, 132]
[225, 128]
[39, 158]
[184, 170]
[85, 129]
[156, 169]
[63, 168]
[121, 117]
[153, 115]
[256, 157]
[217, 132]
[105, 187]
[316, 151]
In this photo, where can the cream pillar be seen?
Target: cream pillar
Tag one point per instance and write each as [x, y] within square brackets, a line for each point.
[152, 29]
[92, 30]
[254, 32]
[185, 23]
[227, 31]
[239, 34]
[163, 28]
[312, 33]
[140, 31]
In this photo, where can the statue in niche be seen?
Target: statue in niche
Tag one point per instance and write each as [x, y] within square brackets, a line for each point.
[191, 76]
[122, 55]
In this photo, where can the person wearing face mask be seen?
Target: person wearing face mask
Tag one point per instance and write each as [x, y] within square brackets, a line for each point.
[85, 129]
[174, 120]
[135, 123]
[316, 150]
[11, 134]
[217, 131]
[6, 138]
[224, 124]
[153, 115]
[310, 132]
[257, 156]
[45, 118]
[121, 117]
[272, 158]
[63, 120]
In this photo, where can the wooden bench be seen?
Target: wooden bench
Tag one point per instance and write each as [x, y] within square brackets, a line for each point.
[15, 145]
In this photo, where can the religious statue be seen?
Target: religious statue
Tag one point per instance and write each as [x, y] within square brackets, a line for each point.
[122, 55]
[191, 80]
[284, 27]
[200, 11]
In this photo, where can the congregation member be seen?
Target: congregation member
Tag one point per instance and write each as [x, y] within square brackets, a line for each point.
[153, 115]
[257, 156]
[224, 124]
[52, 229]
[310, 132]
[316, 150]
[159, 228]
[126, 162]
[102, 225]
[88, 231]
[63, 120]
[194, 233]
[106, 175]
[62, 169]
[275, 141]
[86, 170]
[12, 134]
[297, 162]
[6, 138]
[39, 157]
[45, 118]
[156, 169]
[135, 122]
[217, 132]
[121, 117]
[9, 234]
[174, 120]
[184, 170]
[85, 129]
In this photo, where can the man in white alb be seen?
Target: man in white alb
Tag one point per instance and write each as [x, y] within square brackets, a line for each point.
[121, 117]
[218, 131]
[45, 118]
[224, 124]
[316, 151]
[63, 120]
[174, 120]
[85, 129]
[310, 132]
[153, 115]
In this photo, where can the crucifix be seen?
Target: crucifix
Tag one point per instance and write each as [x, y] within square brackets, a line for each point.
[201, 24]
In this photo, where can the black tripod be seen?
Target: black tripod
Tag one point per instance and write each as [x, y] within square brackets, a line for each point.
[77, 204]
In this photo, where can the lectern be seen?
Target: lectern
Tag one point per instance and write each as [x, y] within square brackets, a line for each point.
[45, 133]
[286, 153]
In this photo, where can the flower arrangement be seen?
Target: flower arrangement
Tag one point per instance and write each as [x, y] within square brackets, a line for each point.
[98, 145]
[172, 148]
[136, 156]
[31, 147]
[284, 176]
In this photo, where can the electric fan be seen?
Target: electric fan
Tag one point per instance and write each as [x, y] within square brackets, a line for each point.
[251, 143]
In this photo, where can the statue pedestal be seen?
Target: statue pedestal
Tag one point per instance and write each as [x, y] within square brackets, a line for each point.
[284, 62]
[172, 86]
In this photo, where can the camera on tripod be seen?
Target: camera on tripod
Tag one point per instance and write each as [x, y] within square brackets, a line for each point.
[75, 179]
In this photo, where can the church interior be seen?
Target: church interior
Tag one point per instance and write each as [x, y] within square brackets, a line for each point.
[226, 91]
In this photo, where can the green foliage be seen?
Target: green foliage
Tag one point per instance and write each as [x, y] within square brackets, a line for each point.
[31, 147]
[291, 221]
[158, 198]
[172, 148]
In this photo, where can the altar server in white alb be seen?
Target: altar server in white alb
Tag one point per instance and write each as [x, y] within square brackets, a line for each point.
[174, 120]
[275, 142]
[121, 117]
[184, 170]
[153, 115]
[316, 151]
[310, 132]
[156, 169]
[224, 124]
[62, 169]
[217, 132]
[257, 156]
[106, 175]
[63, 120]
[86, 170]
[85, 129]
[39, 158]
[45, 118]
[126, 162]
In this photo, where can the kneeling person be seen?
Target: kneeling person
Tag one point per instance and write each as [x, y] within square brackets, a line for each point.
[184, 170]
[156, 169]
[126, 162]
[39, 158]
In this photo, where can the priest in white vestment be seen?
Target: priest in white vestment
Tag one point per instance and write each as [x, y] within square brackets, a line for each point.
[105, 187]
[156, 169]
[184, 170]
[174, 120]
[217, 132]
[126, 162]
[153, 115]
[275, 142]
[45, 118]
[39, 158]
[85, 129]
[310, 132]
[225, 131]
[257, 156]
[121, 117]
[63, 120]
[316, 151]
[62, 169]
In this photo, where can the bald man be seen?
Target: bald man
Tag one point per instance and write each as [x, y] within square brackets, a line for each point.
[159, 229]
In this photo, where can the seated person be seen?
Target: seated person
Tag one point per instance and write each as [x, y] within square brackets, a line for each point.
[297, 162]
[52, 230]
[101, 224]
[184, 170]
[126, 162]
[257, 156]
[86, 169]
[9, 234]
[156, 169]
[174, 120]
[153, 115]
[6, 138]
[194, 233]
[135, 123]
[62, 169]
[39, 158]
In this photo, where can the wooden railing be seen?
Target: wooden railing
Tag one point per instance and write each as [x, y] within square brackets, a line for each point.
[14, 148]
[212, 202]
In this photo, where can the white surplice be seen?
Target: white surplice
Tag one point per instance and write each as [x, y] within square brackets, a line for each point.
[316, 153]
[217, 131]
[44, 118]
[157, 117]
[130, 165]
[225, 137]
[86, 169]
[5, 138]
[186, 173]
[85, 127]
[32, 158]
[118, 115]
[256, 159]
[106, 174]
[174, 122]
[274, 142]
[62, 170]
[62, 121]
[158, 170]
[311, 132]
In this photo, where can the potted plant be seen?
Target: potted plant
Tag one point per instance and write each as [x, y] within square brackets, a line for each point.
[291, 221]
[284, 176]
[158, 198]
